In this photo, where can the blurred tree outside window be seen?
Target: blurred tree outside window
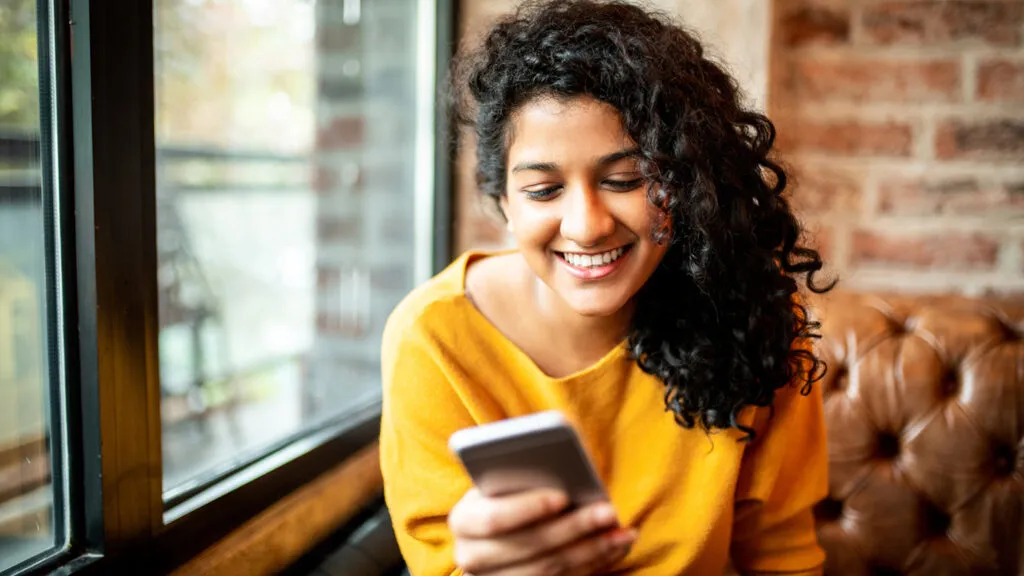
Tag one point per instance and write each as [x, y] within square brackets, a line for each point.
[19, 67]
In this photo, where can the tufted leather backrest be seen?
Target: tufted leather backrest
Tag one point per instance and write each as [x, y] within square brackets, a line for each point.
[924, 403]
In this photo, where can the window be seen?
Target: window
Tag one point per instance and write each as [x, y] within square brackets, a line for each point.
[208, 208]
[31, 490]
[287, 217]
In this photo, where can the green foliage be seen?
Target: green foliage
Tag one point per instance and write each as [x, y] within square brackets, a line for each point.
[19, 67]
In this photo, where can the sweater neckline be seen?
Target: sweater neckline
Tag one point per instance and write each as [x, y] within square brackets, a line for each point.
[521, 357]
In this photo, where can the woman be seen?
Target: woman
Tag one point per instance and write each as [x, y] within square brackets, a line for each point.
[651, 298]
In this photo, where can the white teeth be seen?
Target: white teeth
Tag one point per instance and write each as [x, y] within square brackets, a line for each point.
[592, 260]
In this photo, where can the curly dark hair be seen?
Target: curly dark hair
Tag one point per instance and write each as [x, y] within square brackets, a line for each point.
[719, 322]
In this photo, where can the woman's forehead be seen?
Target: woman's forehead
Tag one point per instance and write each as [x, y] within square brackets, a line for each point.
[578, 128]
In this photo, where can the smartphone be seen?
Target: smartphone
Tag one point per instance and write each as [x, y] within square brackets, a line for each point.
[540, 450]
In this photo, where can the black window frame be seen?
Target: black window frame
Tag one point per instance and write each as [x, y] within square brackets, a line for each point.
[102, 174]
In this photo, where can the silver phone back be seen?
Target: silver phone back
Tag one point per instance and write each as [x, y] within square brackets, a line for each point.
[549, 457]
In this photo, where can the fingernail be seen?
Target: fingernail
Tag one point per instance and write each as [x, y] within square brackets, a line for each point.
[557, 501]
[605, 515]
[623, 537]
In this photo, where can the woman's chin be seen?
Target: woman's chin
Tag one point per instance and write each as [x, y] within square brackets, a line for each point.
[595, 306]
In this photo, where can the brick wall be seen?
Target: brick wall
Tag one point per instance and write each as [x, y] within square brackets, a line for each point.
[903, 123]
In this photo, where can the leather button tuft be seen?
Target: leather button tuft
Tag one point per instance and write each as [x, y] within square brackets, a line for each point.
[841, 379]
[888, 446]
[898, 327]
[1004, 461]
[950, 385]
[936, 521]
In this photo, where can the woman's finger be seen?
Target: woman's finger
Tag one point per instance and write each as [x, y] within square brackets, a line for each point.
[482, 555]
[617, 552]
[478, 516]
[583, 558]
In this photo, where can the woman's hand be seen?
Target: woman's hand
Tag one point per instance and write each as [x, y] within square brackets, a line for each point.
[528, 534]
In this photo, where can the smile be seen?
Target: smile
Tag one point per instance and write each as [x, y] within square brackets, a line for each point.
[593, 260]
[593, 266]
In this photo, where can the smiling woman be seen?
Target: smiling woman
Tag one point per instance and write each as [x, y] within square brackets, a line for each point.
[651, 298]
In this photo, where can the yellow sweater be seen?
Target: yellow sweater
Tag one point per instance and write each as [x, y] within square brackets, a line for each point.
[694, 499]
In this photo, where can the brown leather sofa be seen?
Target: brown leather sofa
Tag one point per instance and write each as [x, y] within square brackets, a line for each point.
[925, 413]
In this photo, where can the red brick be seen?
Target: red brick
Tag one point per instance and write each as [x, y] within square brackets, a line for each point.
[1013, 193]
[343, 132]
[822, 240]
[337, 37]
[876, 81]
[485, 229]
[965, 195]
[391, 278]
[324, 179]
[816, 190]
[1001, 81]
[475, 228]
[338, 325]
[1015, 190]
[918, 197]
[803, 25]
[337, 229]
[989, 140]
[939, 251]
[847, 138]
[931, 22]
[327, 277]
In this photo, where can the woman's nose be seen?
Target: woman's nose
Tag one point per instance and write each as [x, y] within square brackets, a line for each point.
[586, 220]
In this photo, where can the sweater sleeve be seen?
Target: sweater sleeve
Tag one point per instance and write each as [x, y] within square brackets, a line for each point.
[422, 479]
[783, 475]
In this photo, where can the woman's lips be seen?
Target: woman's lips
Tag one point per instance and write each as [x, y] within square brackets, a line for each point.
[595, 272]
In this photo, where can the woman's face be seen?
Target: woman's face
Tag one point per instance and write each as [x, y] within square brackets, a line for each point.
[577, 203]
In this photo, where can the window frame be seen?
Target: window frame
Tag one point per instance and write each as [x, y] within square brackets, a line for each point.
[103, 165]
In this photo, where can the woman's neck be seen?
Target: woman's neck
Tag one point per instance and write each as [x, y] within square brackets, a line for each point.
[598, 332]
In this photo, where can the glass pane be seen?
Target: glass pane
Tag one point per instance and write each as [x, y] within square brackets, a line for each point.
[26, 490]
[286, 152]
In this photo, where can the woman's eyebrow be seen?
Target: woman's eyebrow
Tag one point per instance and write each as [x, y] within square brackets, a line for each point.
[538, 166]
[552, 167]
[616, 156]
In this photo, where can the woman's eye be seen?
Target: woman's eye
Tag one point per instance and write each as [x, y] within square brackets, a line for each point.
[624, 185]
[542, 194]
